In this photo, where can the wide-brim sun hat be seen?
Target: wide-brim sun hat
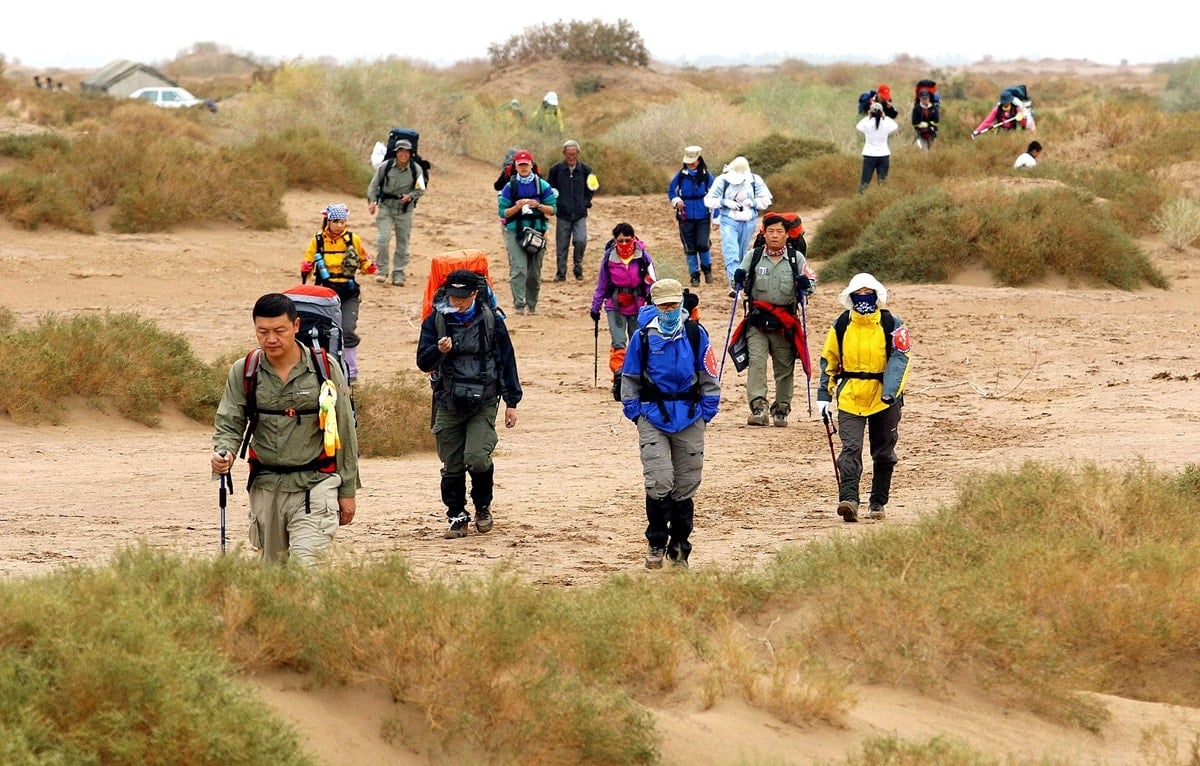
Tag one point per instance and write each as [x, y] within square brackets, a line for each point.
[858, 282]
[738, 170]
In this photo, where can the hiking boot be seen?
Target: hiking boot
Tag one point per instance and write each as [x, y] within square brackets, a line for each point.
[560, 277]
[520, 311]
[578, 273]
[398, 281]
[707, 274]
[382, 280]
[875, 512]
[848, 510]
[654, 559]
[694, 280]
[779, 419]
[458, 526]
[758, 417]
[483, 519]
[531, 311]
[675, 559]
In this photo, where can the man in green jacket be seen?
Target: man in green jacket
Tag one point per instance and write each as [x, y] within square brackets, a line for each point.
[302, 479]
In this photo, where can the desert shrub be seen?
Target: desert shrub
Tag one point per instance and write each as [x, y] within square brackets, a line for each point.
[584, 41]
[931, 235]
[585, 85]
[25, 146]
[815, 182]
[120, 360]
[308, 160]
[771, 152]
[1132, 196]
[1182, 90]
[814, 110]
[393, 418]
[30, 199]
[915, 238]
[623, 169]
[1179, 222]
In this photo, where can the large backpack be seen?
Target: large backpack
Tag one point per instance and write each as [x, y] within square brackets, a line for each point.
[926, 85]
[795, 233]
[865, 99]
[389, 155]
[320, 311]
[508, 168]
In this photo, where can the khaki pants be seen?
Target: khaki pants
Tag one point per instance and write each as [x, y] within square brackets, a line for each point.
[388, 218]
[671, 463]
[524, 272]
[296, 524]
[782, 354]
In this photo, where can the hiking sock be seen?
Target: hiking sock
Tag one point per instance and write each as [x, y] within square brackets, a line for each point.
[682, 515]
[454, 493]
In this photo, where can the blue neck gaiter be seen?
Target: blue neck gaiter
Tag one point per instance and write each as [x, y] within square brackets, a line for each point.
[668, 321]
[465, 317]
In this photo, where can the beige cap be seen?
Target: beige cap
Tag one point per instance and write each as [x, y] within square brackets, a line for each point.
[666, 291]
[691, 154]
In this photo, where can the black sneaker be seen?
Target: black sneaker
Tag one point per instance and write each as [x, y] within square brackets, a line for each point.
[694, 279]
[560, 277]
[654, 559]
[578, 273]
[458, 526]
[483, 519]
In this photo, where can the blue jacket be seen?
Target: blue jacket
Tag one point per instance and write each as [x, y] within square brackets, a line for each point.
[674, 368]
[691, 187]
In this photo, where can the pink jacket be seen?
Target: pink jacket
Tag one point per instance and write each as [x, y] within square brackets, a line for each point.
[624, 287]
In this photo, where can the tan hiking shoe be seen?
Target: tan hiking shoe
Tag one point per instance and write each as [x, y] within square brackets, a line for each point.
[758, 417]
[875, 512]
[848, 510]
[654, 559]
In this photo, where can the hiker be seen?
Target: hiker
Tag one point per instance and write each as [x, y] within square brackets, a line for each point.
[864, 367]
[686, 192]
[925, 116]
[670, 391]
[738, 194]
[622, 288]
[333, 258]
[1008, 114]
[37, 81]
[548, 115]
[875, 127]
[572, 180]
[776, 278]
[393, 192]
[1028, 158]
[524, 204]
[514, 112]
[883, 97]
[302, 483]
[465, 344]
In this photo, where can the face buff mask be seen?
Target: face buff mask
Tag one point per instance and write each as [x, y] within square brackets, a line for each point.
[668, 321]
[864, 304]
[625, 250]
[464, 317]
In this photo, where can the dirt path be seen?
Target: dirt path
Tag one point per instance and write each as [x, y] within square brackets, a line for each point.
[1000, 376]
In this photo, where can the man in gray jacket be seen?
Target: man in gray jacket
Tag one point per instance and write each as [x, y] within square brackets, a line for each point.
[391, 196]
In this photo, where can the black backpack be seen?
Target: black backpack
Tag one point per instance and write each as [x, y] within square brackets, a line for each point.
[389, 155]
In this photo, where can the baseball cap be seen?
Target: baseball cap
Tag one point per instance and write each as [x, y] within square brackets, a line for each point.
[691, 154]
[666, 291]
[404, 143]
[461, 283]
[523, 155]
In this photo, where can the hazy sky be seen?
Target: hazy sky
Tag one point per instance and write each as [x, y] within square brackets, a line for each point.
[77, 34]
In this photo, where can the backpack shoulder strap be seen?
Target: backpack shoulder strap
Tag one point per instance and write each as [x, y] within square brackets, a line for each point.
[887, 321]
[839, 328]
[756, 256]
[249, 388]
[321, 243]
[692, 327]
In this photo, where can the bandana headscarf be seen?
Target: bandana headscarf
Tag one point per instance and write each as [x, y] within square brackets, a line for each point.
[337, 212]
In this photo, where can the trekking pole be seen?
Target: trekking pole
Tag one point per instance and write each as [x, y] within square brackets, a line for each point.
[222, 495]
[830, 430]
[729, 331]
[596, 353]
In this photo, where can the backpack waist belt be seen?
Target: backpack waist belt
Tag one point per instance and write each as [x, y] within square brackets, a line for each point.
[384, 196]
[321, 463]
[291, 412]
[861, 375]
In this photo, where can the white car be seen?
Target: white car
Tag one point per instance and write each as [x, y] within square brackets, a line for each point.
[171, 98]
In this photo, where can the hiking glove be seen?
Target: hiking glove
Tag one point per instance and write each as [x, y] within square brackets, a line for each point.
[732, 204]
[888, 400]
[805, 284]
[739, 278]
[824, 409]
[306, 267]
[595, 316]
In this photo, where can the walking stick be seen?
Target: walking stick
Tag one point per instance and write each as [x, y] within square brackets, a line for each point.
[830, 430]
[226, 488]
[729, 331]
[596, 353]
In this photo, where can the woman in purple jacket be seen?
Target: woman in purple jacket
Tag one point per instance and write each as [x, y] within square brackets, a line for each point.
[623, 287]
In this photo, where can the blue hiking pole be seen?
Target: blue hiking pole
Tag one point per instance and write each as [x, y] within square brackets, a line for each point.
[729, 331]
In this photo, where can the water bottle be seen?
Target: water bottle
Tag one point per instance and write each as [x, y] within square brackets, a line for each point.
[322, 269]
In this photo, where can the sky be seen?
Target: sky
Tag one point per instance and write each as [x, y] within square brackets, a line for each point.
[94, 33]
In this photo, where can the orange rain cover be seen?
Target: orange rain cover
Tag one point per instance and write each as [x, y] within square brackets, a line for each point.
[442, 264]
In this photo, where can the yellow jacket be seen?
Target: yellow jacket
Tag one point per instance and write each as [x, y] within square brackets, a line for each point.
[858, 371]
[334, 252]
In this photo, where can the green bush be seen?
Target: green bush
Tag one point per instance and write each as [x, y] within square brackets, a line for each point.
[625, 170]
[770, 153]
[1182, 91]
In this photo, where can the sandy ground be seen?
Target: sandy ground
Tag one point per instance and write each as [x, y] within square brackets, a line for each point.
[1053, 372]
